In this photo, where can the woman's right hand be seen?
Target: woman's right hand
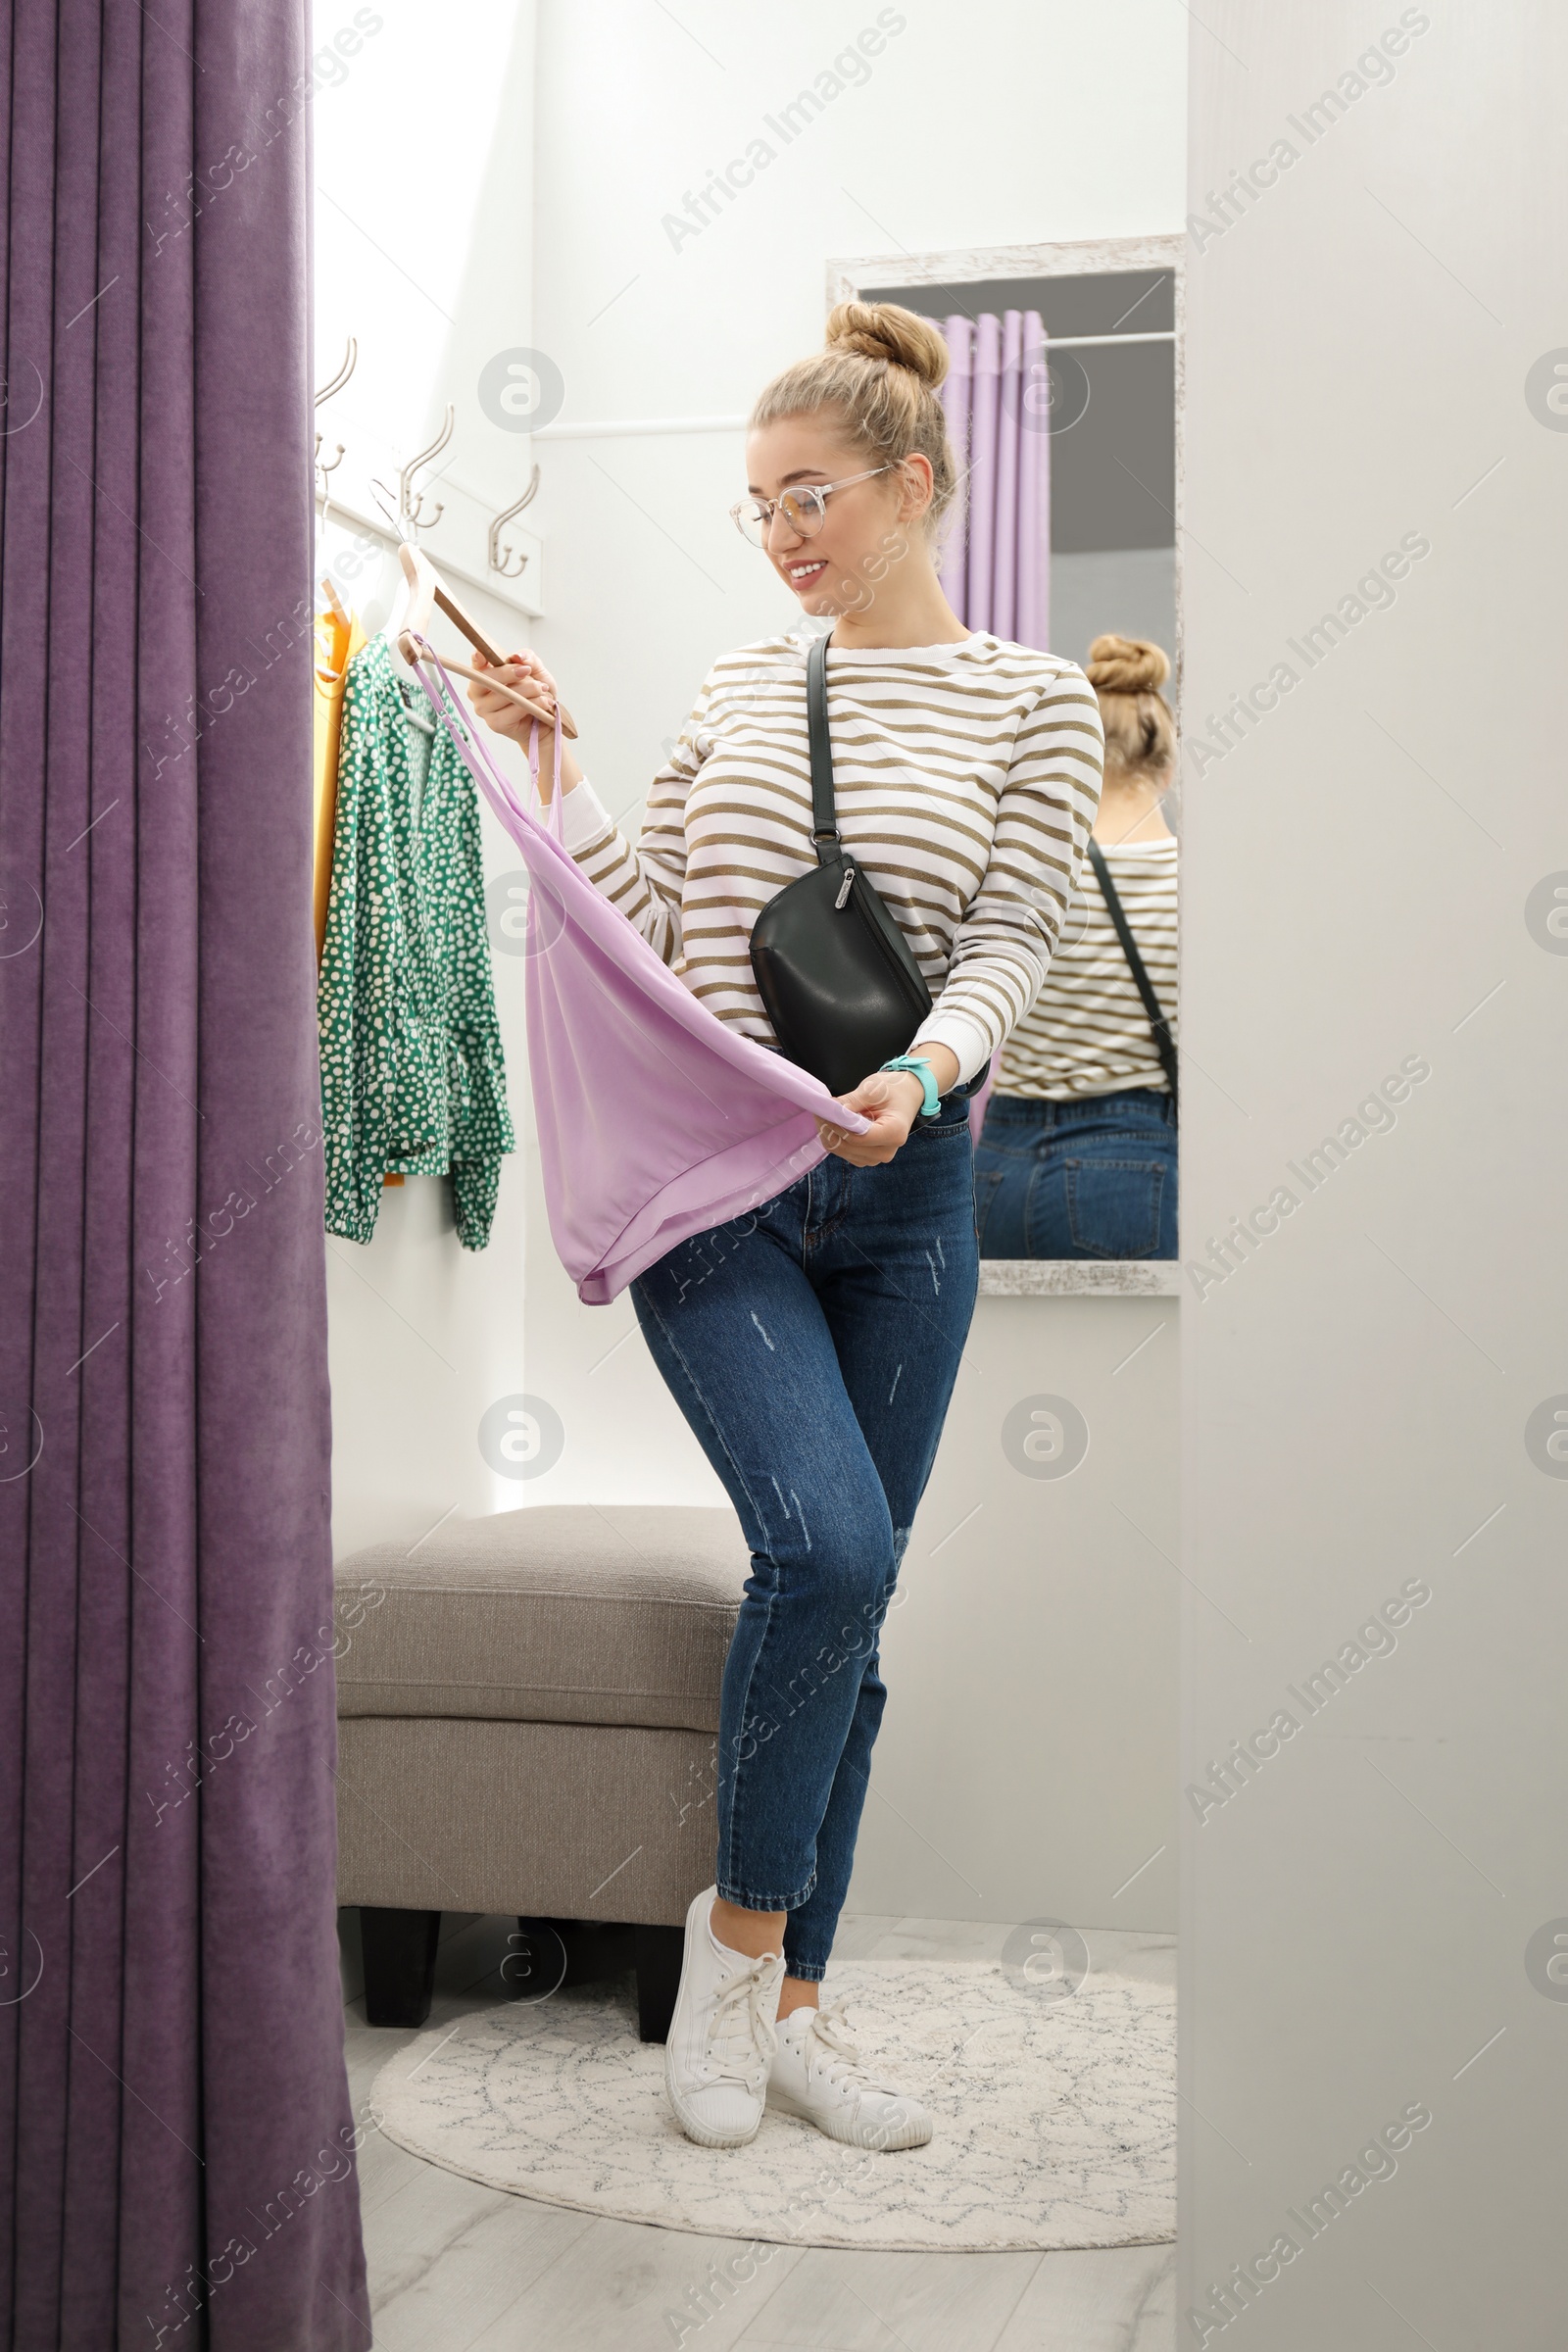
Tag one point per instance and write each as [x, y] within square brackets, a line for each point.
[526, 674]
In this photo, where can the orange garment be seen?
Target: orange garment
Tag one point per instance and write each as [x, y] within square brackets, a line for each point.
[338, 638]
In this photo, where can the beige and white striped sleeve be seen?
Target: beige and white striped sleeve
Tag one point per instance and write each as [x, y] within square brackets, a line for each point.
[644, 881]
[1004, 943]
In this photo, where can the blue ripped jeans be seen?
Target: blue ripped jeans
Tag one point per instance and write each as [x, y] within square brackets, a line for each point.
[812, 1347]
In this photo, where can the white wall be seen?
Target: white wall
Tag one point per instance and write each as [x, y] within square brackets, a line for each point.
[1031, 1725]
[1363, 1922]
[1025, 1766]
[424, 154]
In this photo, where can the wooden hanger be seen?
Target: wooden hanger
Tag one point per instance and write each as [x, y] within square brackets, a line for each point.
[428, 591]
[414, 649]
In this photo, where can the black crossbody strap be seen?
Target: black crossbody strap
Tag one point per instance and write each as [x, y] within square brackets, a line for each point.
[824, 817]
[1164, 1046]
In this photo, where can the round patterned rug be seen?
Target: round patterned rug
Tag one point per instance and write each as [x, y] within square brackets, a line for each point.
[1055, 2116]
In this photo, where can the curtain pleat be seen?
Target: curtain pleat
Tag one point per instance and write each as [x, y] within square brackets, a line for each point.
[995, 569]
[1005, 549]
[175, 2126]
[42, 452]
[106, 659]
[957, 396]
[1033, 615]
[985, 400]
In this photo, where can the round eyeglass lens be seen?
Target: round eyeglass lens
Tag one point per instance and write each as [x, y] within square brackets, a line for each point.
[802, 510]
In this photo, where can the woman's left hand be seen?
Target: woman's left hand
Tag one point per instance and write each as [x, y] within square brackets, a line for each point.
[892, 1100]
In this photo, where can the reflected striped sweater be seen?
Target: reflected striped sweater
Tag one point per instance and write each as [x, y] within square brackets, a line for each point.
[966, 778]
[1088, 1032]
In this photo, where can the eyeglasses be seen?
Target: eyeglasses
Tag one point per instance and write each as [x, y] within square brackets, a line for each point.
[802, 508]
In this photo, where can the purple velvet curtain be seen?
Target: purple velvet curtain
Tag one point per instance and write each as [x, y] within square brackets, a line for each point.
[996, 570]
[174, 2124]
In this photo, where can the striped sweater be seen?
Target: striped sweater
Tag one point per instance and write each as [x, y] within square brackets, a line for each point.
[1088, 1033]
[966, 778]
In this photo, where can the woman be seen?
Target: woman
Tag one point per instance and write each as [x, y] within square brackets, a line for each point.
[1077, 1157]
[812, 1346]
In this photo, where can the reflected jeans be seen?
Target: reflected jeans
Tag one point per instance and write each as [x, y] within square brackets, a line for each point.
[812, 1347]
[1092, 1177]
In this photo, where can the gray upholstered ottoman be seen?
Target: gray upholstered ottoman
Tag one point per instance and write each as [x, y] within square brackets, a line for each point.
[528, 1710]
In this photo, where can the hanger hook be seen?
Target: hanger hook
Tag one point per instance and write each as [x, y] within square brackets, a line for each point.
[411, 501]
[501, 557]
[388, 505]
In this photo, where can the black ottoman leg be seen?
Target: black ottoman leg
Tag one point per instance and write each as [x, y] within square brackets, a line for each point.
[399, 1951]
[659, 1958]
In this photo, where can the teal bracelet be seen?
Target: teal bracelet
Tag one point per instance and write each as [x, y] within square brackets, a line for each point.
[921, 1069]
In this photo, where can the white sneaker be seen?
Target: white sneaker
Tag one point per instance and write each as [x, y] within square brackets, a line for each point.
[817, 2074]
[721, 2038]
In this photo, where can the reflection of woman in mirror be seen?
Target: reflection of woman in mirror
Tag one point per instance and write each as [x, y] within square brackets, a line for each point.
[1077, 1157]
[812, 1346]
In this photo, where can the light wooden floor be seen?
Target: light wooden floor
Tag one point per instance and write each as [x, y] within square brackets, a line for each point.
[459, 2268]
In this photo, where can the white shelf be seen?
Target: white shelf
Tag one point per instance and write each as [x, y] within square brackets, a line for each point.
[1080, 1277]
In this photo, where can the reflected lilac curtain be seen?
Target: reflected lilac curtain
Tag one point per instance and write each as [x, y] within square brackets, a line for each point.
[996, 570]
[174, 2112]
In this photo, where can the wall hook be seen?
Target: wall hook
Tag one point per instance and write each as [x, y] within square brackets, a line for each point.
[351, 358]
[502, 558]
[324, 466]
[411, 501]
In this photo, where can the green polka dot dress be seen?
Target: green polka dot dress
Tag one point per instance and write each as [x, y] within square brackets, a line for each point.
[413, 1077]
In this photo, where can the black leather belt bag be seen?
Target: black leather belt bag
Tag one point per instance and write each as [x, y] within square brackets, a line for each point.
[833, 968]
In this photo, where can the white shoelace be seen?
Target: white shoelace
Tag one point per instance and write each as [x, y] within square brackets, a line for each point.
[740, 2034]
[842, 2060]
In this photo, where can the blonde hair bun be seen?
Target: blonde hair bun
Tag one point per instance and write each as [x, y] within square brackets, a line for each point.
[883, 330]
[1127, 675]
[1126, 666]
[875, 379]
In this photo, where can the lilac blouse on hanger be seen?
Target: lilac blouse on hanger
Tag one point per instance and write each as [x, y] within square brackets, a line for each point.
[657, 1120]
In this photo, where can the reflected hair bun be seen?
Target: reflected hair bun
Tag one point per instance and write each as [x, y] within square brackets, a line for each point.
[1127, 675]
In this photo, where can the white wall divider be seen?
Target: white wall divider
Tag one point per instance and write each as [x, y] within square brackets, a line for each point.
[1375, 1336]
